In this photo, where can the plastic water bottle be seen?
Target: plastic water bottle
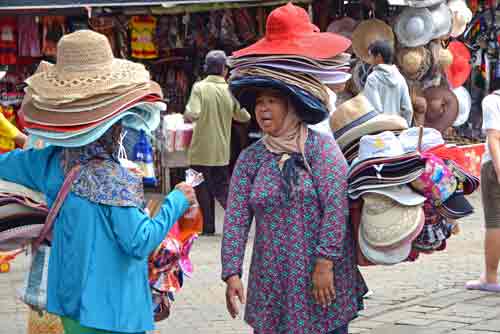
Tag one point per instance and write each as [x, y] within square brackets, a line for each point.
[143, 156]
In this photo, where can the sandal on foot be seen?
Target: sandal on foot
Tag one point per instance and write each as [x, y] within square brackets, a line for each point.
[483, 286]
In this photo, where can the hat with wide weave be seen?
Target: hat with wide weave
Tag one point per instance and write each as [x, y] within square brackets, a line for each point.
[414, 62]
[85, 67]
[366, 33]
[289, 31]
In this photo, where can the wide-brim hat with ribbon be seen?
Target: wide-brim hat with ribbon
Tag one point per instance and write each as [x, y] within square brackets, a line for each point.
[464, 105]
[459, 71]
[85, 67]
[308, 107]
[414, 63]
[442, 20]
[462, 15]
[366, 33]
[289, 31]
[442, 108]
[414, 27]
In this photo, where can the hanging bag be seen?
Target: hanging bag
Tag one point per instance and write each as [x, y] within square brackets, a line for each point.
[34, 291]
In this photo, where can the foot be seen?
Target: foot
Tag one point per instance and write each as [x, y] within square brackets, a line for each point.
[483, 285]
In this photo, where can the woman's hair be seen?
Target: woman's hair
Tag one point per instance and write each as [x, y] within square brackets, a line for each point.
[110, 143]
[383, 49]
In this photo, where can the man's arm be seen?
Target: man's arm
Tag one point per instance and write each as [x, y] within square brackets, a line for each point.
[193, 108]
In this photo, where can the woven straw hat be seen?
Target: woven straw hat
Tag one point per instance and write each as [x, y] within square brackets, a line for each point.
[462, 15]
[414, 27]
[414, 62]
[445, 58]
[368, 32]
[85, 67]
[442, 19]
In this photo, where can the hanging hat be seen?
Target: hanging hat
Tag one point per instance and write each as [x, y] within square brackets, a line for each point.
[445, 58]
[423, 3]
[289, 31]
[356, 117]
[458, 72]
[442, 108]
[366, 33]
[414, 62]
[430, 139]
[386, 223]
[442, 20]
[464, 105]
[414, 27]
[85, 67]
[462, 15]
[344, 26]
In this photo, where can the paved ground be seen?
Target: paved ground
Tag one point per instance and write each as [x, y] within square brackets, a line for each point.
[422, 297]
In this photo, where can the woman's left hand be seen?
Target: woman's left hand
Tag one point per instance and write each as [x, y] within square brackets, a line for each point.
[323, 282]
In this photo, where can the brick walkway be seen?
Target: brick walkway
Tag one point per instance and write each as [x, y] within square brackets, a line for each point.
[426, 297]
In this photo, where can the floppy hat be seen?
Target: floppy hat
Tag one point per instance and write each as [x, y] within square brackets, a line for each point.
[85, 67]
[459, 71]
[351, 113]
[308, 107]
[366, 33]
[289, 31]
[437, 183]
[442, 108]
[430, 138]
[442, 20]
[464, 105]
[382, 145]
[414, 27]
[414, 62]
[385, 223]
[402, 194]
[462, 15]
[51, 118]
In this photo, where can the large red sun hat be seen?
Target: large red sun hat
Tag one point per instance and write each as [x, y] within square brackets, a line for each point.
[459, 70]
[289, 31]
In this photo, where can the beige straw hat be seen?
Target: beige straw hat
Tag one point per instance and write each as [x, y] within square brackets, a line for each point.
[414, 62]
[366, 33]
[445, 58]
[85, 67]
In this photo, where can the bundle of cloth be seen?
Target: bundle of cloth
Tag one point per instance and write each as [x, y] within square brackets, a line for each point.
[409, 191]
[70, 106]
[22, 215]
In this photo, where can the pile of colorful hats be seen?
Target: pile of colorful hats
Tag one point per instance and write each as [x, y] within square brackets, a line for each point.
[294, 57]
[69, 104]
[356, 118]
[22, 215]
[413, 189]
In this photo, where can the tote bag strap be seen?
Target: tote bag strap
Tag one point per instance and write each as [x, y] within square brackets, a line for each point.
[56, 206]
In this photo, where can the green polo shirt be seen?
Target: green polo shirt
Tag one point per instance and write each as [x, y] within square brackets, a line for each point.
[212, 107]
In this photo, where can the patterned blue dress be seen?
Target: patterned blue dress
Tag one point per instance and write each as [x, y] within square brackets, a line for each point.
[291, 231]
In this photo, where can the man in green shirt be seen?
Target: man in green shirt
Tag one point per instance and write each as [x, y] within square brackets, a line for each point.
[212, 108]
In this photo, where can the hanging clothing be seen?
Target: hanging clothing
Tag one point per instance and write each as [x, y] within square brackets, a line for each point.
[54, 27]
[246, 25]
[8, 40]
[105, 26]
[143, 29]
[29, 36]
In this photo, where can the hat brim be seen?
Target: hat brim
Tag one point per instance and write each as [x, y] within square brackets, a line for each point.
[40, 117]
[314, 45]
[413, 40]
[308, 107]
[456, 207]
[383, 257]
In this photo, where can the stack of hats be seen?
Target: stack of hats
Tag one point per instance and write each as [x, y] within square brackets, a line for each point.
[356, 118]
[417, 177]
[22, 215]
[295, 58]
[75, 101]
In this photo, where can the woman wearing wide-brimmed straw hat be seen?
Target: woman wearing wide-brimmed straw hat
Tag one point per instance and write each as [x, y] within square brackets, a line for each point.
[303, 277]
[101, 238]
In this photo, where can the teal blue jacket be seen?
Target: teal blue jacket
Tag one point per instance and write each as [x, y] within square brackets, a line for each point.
[98, 271]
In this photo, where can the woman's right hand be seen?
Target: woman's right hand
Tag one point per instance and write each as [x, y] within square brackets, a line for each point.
[188, 191]
[234, 290]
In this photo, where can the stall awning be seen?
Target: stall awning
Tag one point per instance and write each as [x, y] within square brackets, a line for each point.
[45, 4]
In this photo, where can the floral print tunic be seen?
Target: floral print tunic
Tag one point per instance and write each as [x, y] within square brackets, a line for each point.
[291, 232]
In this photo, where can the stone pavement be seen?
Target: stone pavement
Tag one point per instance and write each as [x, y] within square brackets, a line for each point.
[425, 297]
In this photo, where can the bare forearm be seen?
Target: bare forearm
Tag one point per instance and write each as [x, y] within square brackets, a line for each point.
[494, 147]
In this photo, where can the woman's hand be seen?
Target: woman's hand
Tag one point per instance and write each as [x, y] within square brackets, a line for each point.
[323, 284]
[234, 290]
[188, 191]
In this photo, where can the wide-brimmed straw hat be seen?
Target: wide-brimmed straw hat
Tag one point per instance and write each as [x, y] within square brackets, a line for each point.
[366, 33]
[462, 15]
[442, 108]
[414, 62]
[85, 67]
[414, 27]
[442, 20]
[289, 31]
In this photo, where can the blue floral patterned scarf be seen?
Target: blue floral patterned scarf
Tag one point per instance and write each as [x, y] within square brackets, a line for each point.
[102, 179]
